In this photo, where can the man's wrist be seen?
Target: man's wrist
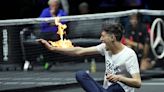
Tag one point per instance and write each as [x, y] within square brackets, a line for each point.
[119, 78]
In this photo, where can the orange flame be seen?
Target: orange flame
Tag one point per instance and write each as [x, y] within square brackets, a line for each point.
[63, 43]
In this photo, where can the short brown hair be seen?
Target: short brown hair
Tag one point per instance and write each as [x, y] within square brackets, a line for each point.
[114, 28]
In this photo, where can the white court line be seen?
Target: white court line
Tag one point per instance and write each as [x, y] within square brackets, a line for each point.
[55, 83]
[40, 79]
[158, 79]
[10, 83]
[152, 83]
[33, 78]
[5, 78]
[27, 83]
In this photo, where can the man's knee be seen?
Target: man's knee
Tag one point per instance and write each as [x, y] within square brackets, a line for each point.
[80, 75]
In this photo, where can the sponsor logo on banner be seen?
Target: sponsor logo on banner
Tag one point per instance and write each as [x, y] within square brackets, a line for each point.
[157, 38]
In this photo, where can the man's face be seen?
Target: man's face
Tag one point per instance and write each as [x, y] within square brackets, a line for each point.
[83, 10]
[106, 38]
[133, 20]
[54, 5]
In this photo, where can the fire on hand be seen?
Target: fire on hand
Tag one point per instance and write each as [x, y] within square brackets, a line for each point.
[62, 43]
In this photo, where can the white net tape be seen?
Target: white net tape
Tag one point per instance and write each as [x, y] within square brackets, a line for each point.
[81, 17]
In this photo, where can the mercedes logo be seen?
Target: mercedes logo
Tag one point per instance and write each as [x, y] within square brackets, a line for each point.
[157, 29]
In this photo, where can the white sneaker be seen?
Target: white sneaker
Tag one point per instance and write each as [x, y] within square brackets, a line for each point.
[26, 65]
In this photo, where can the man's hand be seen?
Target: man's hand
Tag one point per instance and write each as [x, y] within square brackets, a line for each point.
[146, 64]
[140, 46]
[45, 43]
[53, 12]
[113, 78]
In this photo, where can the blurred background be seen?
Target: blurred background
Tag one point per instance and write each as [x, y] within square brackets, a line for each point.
[26, 65]
[32, 8]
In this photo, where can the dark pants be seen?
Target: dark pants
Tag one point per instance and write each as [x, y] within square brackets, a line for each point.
[90, 85]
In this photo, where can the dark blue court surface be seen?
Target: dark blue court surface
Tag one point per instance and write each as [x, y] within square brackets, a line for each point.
[61, 79]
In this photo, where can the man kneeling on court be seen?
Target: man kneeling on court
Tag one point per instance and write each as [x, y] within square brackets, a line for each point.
[122, 69]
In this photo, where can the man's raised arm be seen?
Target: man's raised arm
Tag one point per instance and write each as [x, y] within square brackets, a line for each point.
[72, 51]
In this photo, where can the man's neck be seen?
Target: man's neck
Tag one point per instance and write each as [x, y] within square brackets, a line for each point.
[117, 47]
